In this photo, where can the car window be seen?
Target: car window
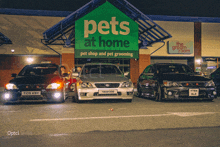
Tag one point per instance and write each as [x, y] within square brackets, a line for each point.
[148, 69]
[101, 69]
[174, 69]
[32, 70]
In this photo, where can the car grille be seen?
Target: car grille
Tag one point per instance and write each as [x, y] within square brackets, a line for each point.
[185, 94]
[107, 85]
[97, 94]
[31, 86]
[193, 84]
[31, 98]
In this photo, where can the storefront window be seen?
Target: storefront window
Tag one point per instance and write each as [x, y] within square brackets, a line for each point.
[124, 64]
[209, 65]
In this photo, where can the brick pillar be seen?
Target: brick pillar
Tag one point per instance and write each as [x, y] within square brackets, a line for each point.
[137, 66]
[134, 70]
[197, 45]
[68, 60]
[144, 59]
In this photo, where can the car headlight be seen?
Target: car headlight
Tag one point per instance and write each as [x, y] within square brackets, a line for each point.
[10, 86]
[86, 85]
[54, 86]
[172, 84]
[210, 84]
[126, 84]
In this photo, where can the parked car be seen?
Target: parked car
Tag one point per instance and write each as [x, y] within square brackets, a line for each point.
[215, 76]
[163, 81]
[103, 81]
[38, 82]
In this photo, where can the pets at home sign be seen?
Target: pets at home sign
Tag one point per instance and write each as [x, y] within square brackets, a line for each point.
[106, 32]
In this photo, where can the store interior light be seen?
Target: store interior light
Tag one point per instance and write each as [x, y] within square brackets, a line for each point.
[198, 61]
[30, 60]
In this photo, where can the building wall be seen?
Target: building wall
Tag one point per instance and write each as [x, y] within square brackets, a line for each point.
[210, 40]
[180, 31]
[26, 33]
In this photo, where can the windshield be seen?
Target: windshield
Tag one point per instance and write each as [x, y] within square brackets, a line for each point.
[32, 70]
[174, 69]
[100, 69]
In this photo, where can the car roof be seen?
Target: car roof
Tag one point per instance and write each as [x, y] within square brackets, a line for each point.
[99, 64]
[43, 64]
[168, 64]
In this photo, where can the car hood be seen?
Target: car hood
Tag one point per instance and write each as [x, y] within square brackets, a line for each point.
[103, 78]
[46, 79]
[183, 77]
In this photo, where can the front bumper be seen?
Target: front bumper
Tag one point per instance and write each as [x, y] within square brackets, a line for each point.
[111, 93]
[45, 95]
[184, 93]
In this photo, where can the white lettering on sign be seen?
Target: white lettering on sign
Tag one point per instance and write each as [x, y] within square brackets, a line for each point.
[86, 27]
[104, 27]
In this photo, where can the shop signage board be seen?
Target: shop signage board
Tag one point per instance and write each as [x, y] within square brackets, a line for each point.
[180, 47]
[106, 32]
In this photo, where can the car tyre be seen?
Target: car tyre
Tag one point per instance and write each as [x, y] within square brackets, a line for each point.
[138, 92]
[76, 97]
[159, 94]
[129, 100]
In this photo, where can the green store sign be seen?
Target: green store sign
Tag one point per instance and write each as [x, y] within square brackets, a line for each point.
[106, 32]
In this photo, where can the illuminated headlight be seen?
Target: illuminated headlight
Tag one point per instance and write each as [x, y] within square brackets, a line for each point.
[172, 84]
[57, 95]
[126, 84]
[86, 85]
[176, 84]
[54, 86]
[10, 86]
[210, 84]
[72, 87]
[7, 96]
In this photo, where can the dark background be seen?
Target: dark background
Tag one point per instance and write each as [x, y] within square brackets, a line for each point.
[200, 8]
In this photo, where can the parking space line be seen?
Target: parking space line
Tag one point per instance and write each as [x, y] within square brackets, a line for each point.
[181, 114]
[102, 117]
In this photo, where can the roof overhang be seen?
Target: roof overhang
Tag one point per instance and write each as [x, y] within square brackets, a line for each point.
[4, 39]
[63, 33]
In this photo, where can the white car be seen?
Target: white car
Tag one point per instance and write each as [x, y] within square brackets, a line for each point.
[103, 81]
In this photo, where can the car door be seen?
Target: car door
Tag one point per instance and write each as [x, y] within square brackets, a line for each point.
[146, 80]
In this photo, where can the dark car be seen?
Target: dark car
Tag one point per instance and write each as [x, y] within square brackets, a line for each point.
[37, 82]
[215, 76]
[163, 81]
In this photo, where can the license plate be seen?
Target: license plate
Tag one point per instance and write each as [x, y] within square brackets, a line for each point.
[114, 91]
[193, 92]
[31, 93]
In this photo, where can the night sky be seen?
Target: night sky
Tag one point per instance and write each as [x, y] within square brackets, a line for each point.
[200, 8]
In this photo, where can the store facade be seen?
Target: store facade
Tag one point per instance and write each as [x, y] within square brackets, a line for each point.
[193, 41]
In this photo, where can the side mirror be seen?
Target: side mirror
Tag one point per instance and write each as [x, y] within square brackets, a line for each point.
[65, 75]
[75, 74]
[13, 75]
[126, 74]
[150, 74]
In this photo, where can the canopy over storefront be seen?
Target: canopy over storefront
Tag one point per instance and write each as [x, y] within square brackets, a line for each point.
[63, 33]
[4, 39]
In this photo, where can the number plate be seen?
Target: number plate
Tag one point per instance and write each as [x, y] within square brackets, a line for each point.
[193, 92]
[107, 91]
[31, 93]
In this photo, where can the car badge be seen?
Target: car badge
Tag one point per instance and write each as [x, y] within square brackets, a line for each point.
[107, 85]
